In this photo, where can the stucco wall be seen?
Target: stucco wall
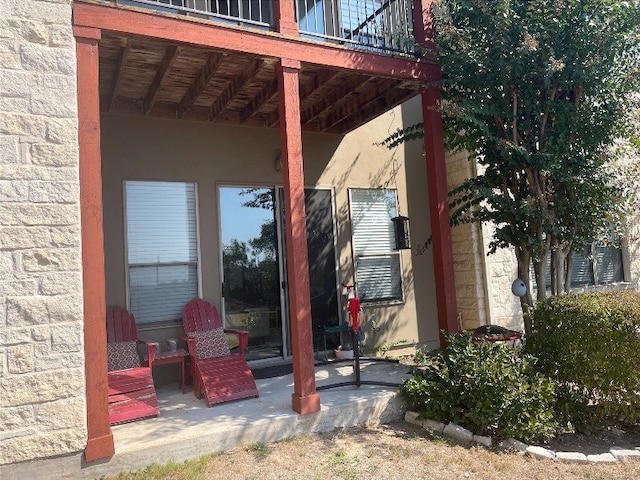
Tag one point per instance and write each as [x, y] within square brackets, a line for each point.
[214, 155]
[42, 406]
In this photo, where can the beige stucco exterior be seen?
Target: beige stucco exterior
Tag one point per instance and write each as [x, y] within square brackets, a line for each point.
[214, 155]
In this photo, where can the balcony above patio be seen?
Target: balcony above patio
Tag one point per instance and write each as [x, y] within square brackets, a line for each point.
[215, 60]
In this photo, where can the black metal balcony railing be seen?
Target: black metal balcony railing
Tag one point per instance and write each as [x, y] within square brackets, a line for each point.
[385, 25]
[376, 25]
[256, 13]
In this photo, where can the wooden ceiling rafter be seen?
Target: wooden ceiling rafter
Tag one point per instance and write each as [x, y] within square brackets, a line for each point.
[329, 100]
[200, 83]
[170, 55]
[161, 77]
[123, 56]
[267, 94]
[234, 87]
[320, 79]
[367, 96]
[392, 98]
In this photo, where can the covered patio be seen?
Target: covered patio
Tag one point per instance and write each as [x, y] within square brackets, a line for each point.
[147, 67]
[186, 428]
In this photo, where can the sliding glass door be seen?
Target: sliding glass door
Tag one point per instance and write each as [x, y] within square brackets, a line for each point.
[250, 262]
[254, 265]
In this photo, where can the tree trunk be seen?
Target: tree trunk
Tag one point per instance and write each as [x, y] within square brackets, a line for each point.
[567, 273]
[526, 301]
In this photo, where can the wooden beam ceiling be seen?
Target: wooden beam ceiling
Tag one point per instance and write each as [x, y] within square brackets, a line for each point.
[200, 83]
[171, 52]
[233, 88]
[121, 62]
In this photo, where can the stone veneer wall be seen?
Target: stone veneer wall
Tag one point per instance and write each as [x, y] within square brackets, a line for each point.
[468, 254]
[631, 253]
[42, 398]
[483, 283]
[502, 270]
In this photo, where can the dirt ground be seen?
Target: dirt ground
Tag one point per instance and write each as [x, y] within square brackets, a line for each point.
[591, 443]
[598, 441]
[395, 451]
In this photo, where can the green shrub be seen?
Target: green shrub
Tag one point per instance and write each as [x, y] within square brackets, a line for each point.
[590, 344]
[486, 387]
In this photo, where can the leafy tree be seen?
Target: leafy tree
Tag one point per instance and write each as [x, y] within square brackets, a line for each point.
[537, 91]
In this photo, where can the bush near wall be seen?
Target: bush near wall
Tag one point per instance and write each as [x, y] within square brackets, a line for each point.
[590, 344]
[488, 388]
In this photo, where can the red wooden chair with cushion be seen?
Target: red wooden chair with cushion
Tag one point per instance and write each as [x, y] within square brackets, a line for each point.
[132, 395]
[217, 373]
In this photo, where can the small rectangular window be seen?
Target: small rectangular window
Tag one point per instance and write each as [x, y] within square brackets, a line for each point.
[593, 265]
[162, 248]
[378, 271]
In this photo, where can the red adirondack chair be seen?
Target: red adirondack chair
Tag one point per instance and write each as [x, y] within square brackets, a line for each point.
[217, 373]
[132, 395]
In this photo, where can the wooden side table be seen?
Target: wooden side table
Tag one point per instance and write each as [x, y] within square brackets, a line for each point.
[165, 358]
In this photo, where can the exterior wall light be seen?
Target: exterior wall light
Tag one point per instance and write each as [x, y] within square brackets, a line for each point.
[519, 288]
[401, 232]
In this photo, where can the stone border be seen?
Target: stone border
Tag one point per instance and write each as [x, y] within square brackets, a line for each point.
[464, 436]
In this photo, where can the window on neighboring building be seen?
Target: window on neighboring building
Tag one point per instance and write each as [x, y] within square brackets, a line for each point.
[162, 248]
[594, 265]
[378, 270]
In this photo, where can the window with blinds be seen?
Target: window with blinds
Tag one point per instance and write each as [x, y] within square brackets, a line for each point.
[162, 248]
[594, 265]
[378, 270]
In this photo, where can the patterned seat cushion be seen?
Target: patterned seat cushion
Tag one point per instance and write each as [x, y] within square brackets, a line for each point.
[122, 355]
[211, 343]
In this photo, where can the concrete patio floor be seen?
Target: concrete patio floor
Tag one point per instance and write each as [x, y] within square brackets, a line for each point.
[186, 428]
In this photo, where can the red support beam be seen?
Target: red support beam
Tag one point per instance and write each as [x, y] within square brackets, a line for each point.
[423, 24]
[265, 44]
[439, 212]
[437, 180]
[99, 436]
[284, 11]
[304, 399]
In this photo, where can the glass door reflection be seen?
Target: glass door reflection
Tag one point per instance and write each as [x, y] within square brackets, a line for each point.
[251, 288]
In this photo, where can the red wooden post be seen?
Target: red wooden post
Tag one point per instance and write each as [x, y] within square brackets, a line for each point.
[439, 213]
[437, 181]
[99, 436]
[285, 17]
[305, 399]
[423, 23]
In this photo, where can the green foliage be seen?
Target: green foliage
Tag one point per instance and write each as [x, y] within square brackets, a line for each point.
[590, 344]
[537, 91]
[489, 388]
[260, 449]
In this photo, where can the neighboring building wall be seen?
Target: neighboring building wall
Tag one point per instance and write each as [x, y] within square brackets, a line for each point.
[483, 282]
[502, 270]
[468, 254]
[42, 399]
[631, 253]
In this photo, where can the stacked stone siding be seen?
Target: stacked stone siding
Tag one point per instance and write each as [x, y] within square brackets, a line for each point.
[483, 282]
[42, 404]
[468, 254]
[502, 270]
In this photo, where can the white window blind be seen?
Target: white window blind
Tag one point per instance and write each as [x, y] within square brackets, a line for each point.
[162, 248]
[608, 264]
[377, 263]
[594, 265]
